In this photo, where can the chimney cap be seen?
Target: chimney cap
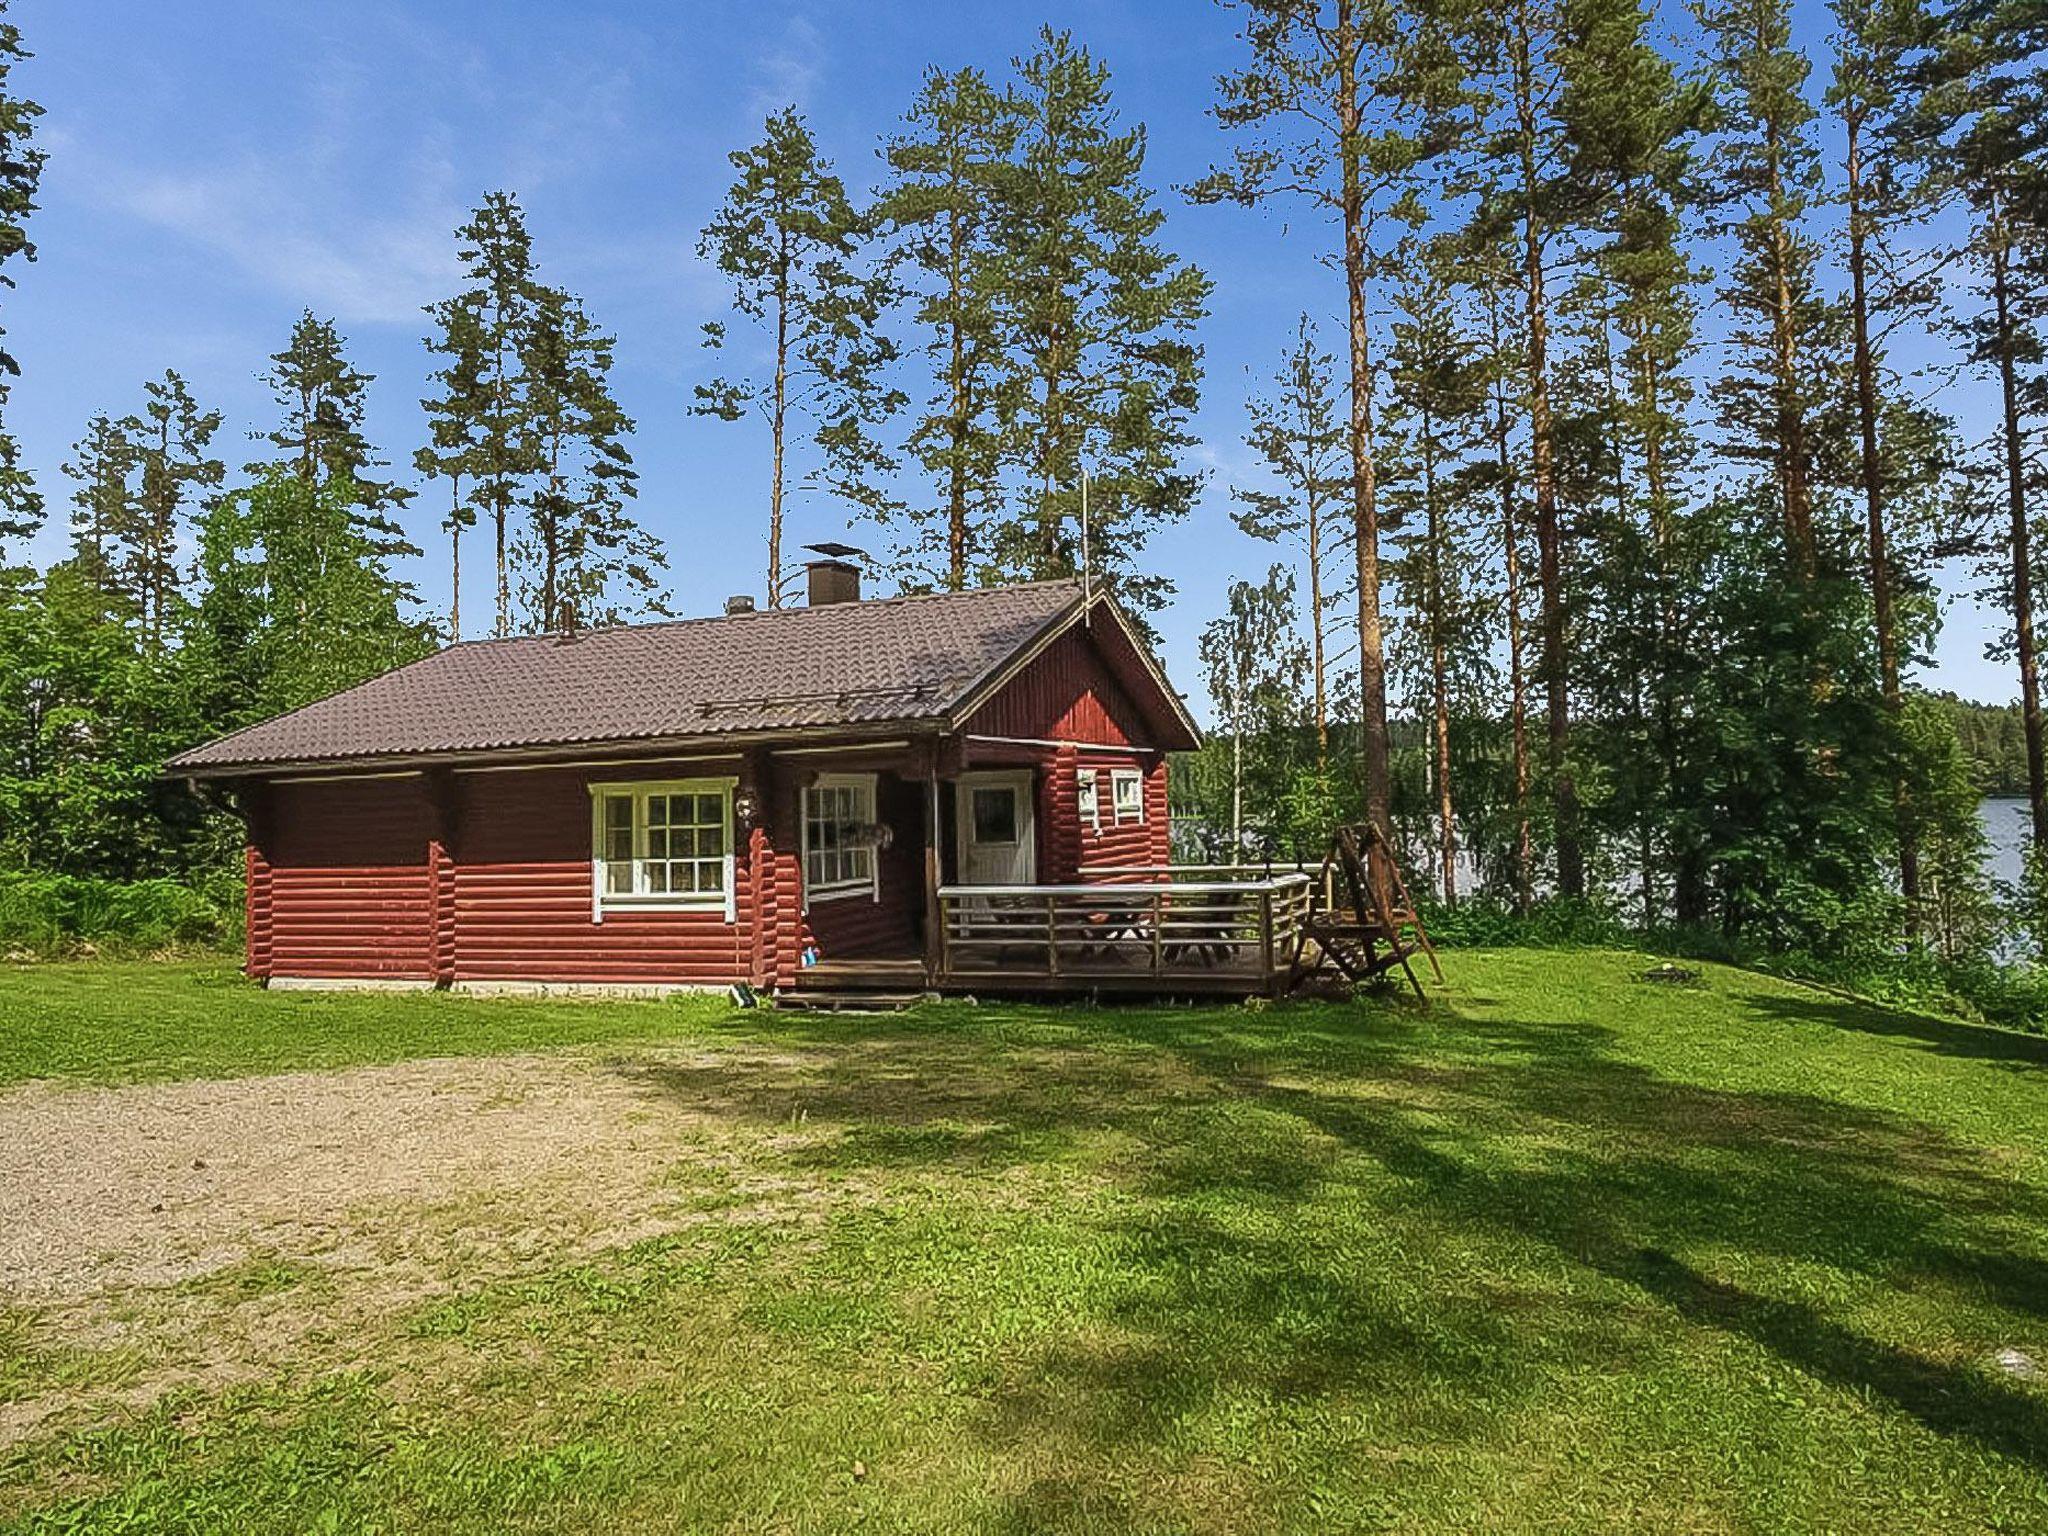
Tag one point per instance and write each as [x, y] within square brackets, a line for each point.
[833, 550]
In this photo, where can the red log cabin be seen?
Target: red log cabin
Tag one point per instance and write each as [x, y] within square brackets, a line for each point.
[769, 798]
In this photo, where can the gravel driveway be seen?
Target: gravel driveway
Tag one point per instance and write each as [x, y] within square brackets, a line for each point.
[126, 1213]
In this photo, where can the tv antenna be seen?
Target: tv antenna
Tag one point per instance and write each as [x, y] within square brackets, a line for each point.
[1087, 563]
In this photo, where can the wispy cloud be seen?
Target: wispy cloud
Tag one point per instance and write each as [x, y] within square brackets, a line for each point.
[791, 68]
[264, 217]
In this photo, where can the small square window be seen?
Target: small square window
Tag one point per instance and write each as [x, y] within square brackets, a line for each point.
[839, 821]
[995, 814]
[1129, 789]
[1089, 784]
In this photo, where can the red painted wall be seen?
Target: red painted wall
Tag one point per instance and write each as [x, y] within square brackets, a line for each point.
[522, 891]
[492, 880]
[346, 893]
[1067, 693]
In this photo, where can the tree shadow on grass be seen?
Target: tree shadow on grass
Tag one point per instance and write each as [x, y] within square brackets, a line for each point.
[1944, 1037]
[1320, 1207]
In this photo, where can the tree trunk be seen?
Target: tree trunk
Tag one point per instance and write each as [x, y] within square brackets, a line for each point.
[778, 420]
[1518, 699]
[455, 565]
[1794, 491]
[1372, 665]
[1237, 779]
[2016, 503]
[1439, 678]
[1571, 870]
[1873, 512]
[956, 502]
[1313, 517]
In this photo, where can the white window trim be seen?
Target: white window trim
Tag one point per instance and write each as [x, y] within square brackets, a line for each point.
[602, 901]
[1092, 780]
[869, 886]
[1117, 778]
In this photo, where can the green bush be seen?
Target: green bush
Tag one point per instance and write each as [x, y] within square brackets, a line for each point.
[61, 914]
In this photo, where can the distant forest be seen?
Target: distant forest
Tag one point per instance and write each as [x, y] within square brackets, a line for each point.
[1994, 743]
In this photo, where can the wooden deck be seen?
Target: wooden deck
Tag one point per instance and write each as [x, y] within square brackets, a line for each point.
[1166, 932]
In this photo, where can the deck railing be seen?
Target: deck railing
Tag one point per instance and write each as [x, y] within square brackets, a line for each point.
[1224, 928]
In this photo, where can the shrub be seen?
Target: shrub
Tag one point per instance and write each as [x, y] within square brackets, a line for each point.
[60, 914]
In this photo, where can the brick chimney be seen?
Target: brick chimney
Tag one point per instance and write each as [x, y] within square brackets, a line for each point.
[833, 581]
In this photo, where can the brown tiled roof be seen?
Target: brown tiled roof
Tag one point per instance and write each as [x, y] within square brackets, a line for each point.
[869, 664]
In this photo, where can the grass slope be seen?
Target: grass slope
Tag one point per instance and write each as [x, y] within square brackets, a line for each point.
[1565, 1251]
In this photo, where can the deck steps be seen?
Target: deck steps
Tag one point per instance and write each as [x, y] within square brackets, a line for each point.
[816, 1000]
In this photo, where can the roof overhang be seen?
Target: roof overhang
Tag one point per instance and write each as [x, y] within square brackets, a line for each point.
[722, 744]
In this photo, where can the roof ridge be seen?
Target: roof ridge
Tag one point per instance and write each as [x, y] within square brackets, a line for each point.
[792, 611]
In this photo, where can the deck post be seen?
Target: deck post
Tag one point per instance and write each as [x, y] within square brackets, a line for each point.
[935, 960]
[1052, 936]
[1266, 933]
[1158, 930]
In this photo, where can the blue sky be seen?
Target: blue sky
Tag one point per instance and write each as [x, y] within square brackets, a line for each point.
[216, 167]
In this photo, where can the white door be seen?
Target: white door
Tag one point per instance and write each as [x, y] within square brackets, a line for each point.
[998, 832]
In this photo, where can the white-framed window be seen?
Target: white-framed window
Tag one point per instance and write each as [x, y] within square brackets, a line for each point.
[839, 846]
[1128, 786]
[1089, 793]
[662, 846]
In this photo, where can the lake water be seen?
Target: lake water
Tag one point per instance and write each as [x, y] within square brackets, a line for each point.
[2006, 829]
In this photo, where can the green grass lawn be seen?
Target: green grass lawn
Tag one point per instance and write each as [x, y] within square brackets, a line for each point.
[1563, 1251]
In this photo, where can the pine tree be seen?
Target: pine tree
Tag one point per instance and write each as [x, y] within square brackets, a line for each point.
[1878, 44]
[21, 169]
[1436, 391]
[1984, 123]
[947, 172]
[1490, 268]
[788, 239]
[1330, 100]
[497, 254]
[321, 396]
[1299, 433]
[171, 438]
[1097, 320]
[455, 418]
[1517, 58]
[582, 560]
[1769, 173]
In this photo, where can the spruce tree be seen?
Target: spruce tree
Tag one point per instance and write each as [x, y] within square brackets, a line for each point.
[582, 559]
[947, 171]
[1097, 319]
[789, 240]
[1299, 433]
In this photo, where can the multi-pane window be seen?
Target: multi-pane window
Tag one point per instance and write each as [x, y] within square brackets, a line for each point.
[1129, 789]
[1089, 784]
[664, 844]
[839, 850]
